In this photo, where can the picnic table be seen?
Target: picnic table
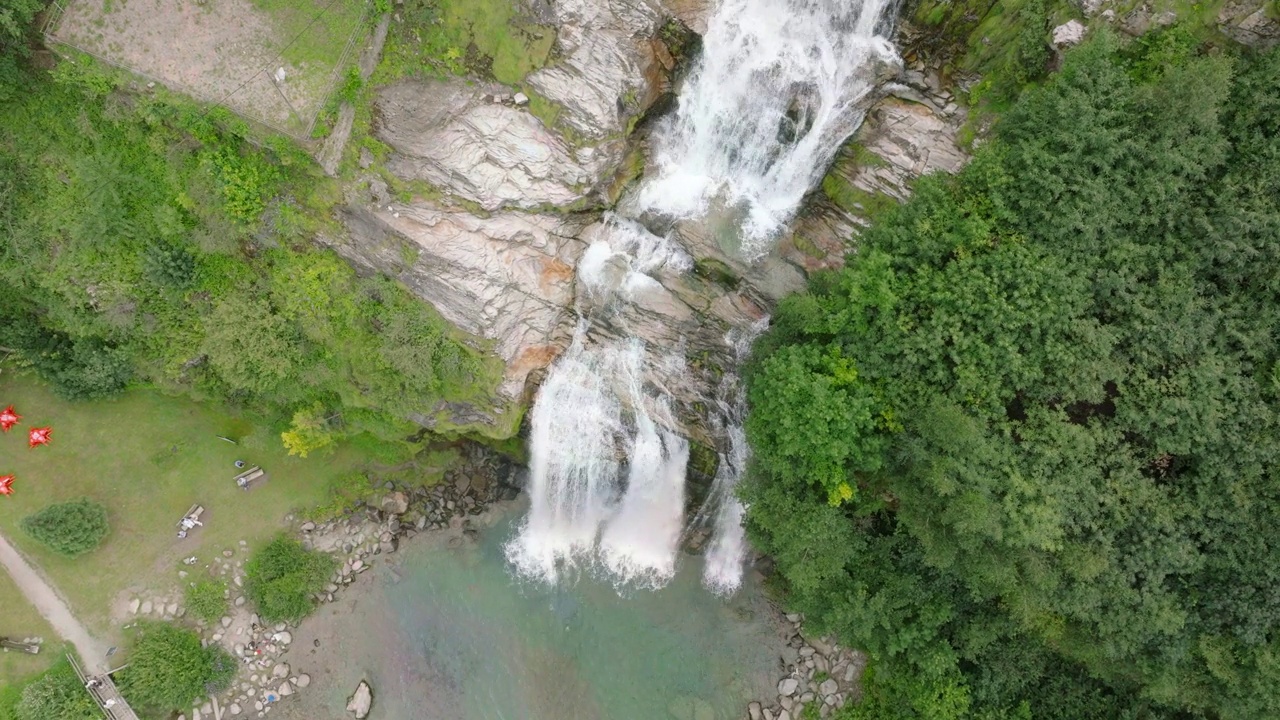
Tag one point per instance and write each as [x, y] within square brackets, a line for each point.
[190, 520]
[248, 477]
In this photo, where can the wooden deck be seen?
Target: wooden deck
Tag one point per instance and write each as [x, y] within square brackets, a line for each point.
[104, 692]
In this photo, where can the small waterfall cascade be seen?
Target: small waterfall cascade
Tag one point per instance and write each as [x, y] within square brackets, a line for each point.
[724, 560]
[781, 84]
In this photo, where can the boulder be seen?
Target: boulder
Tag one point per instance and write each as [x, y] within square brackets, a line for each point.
[828, 687]
[787, 686]
[1248, 24]
[1069, 34]
[361, 700]
[304, 680]
[395, 503]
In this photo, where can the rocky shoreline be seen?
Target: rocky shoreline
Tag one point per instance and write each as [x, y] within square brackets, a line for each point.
[818, 673]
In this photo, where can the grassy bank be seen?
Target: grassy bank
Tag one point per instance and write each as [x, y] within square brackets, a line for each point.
[147, 457]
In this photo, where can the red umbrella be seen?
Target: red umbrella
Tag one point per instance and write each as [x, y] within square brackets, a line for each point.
[6, 484]
[8, 418]
[38, 436]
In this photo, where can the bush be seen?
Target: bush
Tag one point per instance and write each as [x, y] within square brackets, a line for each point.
[207, 599]
[70, 528]
[91, 370]
[55, 695]
[168, 669]
[282, 577]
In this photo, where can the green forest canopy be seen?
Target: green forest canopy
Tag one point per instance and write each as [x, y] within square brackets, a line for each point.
[1023, 449]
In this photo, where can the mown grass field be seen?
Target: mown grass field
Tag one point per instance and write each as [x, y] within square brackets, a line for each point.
[147, 457]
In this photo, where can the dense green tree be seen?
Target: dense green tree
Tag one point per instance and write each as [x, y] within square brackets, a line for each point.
[16, 17]
[252, 348]
[1050, 384]
[282, 577]
[69, 528]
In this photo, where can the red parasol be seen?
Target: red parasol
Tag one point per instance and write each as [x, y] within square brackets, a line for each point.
[8, 418]
[38, 436]
[6, 484]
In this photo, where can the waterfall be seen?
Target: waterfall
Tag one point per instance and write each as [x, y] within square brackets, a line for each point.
[778, 90]
[723, 570]
[593, 412]
[781, 84]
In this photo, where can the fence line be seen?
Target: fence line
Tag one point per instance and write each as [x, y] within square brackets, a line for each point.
[336, 77]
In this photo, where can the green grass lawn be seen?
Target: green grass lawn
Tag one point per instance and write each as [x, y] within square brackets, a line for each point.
[147, 457]
[20, 620]
[313, 33]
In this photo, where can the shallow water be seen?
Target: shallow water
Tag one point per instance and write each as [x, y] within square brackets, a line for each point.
[579, 651]
[460, 638]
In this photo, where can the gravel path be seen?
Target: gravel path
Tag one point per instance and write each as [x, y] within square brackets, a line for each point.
[42, 595]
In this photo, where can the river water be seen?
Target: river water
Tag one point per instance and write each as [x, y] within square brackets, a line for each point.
[458, 637]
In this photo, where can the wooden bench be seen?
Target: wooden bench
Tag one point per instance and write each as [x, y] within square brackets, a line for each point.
[190, 520]
[246, 478]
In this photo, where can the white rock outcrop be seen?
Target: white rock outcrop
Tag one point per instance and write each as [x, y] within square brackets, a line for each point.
[453, 136]
[507, 277]
[609, 68]
[1069, 34]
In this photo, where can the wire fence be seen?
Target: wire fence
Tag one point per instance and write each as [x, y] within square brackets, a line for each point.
[58, 10]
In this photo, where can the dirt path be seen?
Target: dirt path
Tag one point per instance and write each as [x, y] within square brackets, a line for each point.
[42, 595]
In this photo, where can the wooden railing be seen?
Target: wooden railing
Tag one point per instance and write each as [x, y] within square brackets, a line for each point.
[103, 691]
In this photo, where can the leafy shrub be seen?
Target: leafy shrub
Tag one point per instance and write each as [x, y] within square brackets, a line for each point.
[282, 577]
[70, 528]
[207, 599]
[168, 669]
[245, 180]
[309, 432]
[56, 695]
[92, 369]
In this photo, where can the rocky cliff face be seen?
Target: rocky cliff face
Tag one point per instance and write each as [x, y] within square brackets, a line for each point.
[505, 277]
[521, 202]
[465, 140]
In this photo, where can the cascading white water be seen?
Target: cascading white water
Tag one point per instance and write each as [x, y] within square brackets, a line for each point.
[780, 85]
[778, 90]
[723, 570]
[592, 411]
